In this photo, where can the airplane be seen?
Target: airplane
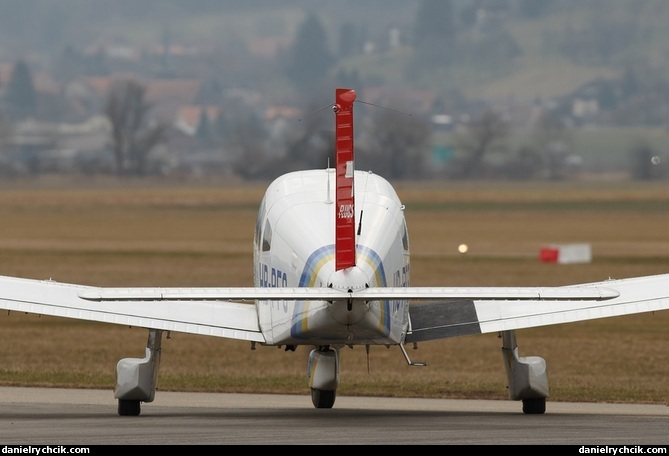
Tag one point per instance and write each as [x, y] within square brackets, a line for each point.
[332, 270]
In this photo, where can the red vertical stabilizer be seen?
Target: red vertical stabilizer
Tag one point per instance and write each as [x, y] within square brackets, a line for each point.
[345, 207]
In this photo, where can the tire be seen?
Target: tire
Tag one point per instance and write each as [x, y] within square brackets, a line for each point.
[323, 398]
[128, 407]
[534, 406]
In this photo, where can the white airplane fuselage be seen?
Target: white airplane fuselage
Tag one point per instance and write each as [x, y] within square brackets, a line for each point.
[293, 247]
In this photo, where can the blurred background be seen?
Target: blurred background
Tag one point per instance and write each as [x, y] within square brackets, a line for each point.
[448, 89]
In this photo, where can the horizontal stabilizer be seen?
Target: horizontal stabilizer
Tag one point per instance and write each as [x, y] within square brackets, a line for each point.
[330, 294]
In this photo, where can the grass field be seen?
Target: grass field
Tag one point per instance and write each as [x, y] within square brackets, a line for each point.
[135, 234]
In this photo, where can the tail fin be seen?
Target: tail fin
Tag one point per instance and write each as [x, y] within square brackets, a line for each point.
[345, 199]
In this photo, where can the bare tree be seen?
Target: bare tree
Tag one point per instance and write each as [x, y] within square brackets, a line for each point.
[481, 135]
[6, 166]
[397, 146]
[310, 143]
[644, 161]
[20, 94]
[5, 130]
[248, 138]
[552, 138]
[133, 137]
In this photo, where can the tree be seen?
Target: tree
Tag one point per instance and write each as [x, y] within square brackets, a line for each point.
[310, 144]
[310, 58]
[132, 135]
[203, 131]
[526, 164]
[644, 162]
[5, 131]
[551, 137]
[397, 147]
[20, 96]
[482, 135]
[247, 136]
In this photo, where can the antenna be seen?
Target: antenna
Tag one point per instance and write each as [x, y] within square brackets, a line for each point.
[327, 192]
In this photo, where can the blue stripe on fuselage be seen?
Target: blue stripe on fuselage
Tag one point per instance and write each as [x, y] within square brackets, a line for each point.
[316, 261]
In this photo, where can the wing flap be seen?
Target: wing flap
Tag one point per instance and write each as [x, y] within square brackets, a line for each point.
[440, 320]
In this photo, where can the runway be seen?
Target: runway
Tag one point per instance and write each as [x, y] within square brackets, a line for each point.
[45, 416]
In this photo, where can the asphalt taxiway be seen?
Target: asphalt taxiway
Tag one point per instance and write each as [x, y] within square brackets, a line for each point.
[47, 416]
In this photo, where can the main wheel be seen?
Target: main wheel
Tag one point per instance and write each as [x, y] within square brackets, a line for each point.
[128, 407]
[534, 406]
[323, 398]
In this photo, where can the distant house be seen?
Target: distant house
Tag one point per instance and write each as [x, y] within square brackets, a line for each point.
[38, 147]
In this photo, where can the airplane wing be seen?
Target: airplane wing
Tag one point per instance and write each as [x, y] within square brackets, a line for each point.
[185, 314]
[438, 312]
[473, 315]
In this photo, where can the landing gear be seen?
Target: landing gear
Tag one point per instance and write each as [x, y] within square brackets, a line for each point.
[136, 378]
[323, 371]
[527, 376]
[128, 407]
[323, 398]
[534, 406]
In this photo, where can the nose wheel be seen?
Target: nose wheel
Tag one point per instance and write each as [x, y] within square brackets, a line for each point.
[323, 371]
[536, 406]
[128, 407]
[323, 398]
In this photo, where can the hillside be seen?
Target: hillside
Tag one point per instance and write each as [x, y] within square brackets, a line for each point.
[560, 61]
[561, 47]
